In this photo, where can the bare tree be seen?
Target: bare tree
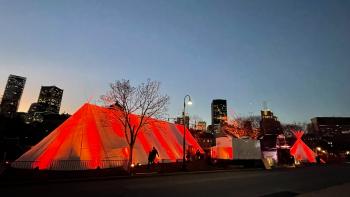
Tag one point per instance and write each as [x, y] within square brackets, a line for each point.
[144, 100]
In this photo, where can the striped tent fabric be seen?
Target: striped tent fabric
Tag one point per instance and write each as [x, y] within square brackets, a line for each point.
[93, 137]
[300, 150]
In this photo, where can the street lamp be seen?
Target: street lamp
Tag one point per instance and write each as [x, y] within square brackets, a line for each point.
[184, 140]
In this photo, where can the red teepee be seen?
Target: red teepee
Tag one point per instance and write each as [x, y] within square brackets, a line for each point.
[93, 138]
[300, 150]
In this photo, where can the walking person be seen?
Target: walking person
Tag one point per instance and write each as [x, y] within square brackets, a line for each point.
[152, 155]
[155, 153]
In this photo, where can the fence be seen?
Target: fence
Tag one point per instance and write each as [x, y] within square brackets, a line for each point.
[72, 164]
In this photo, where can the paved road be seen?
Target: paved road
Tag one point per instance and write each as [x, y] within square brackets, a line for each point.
[286, 182]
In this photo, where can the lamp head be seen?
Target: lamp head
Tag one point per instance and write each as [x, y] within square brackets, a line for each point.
[189, 102]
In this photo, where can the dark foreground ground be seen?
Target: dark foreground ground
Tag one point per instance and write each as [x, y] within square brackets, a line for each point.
[277, 182]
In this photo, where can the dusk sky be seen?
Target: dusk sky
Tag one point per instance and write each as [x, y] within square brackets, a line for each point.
[293, 54]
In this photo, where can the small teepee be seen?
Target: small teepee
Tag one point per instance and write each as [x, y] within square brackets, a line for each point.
[300, 150]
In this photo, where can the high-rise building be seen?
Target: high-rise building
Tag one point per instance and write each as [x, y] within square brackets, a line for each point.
[180, 120]
[12, 95]
[218, 114]
[49, 102]
[35, 113]
[201, 126]
[50, 98]
[218, 111]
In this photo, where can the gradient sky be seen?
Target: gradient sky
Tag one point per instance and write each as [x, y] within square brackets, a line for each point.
[293, 54]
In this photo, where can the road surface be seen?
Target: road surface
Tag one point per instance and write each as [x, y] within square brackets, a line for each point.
[280, 182]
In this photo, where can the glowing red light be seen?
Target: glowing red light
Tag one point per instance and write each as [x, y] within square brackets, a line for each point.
[300, 150]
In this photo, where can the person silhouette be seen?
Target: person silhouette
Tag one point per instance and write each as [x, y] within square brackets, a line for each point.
[155, 153]
[198, 154]
[152, 155]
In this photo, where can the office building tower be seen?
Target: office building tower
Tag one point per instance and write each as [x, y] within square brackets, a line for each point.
[12, 95]
[50, 98]
[218, 111]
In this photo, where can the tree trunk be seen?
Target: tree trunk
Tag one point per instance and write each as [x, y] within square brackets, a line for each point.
[131, 150]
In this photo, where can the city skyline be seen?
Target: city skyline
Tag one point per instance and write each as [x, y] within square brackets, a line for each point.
[291, 54]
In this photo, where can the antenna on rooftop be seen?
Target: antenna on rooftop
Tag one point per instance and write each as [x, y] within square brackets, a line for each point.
[265, 106]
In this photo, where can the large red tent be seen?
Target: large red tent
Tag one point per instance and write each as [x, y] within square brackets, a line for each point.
[94, 138]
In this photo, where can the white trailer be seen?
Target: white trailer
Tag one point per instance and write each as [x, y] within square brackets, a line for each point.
[229, 148]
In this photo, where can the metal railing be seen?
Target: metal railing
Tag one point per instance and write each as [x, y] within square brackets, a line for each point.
[71, 164]
[24, 164]
[168, 160]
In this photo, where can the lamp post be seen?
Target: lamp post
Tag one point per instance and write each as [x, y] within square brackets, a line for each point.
[184, 136]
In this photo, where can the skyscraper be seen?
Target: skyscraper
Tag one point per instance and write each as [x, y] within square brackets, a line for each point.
[180, 120]
[49, 102]
[12, 95]
[50, 98]
[218, 111]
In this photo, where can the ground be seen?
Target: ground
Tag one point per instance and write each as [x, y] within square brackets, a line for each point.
[309, 181]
